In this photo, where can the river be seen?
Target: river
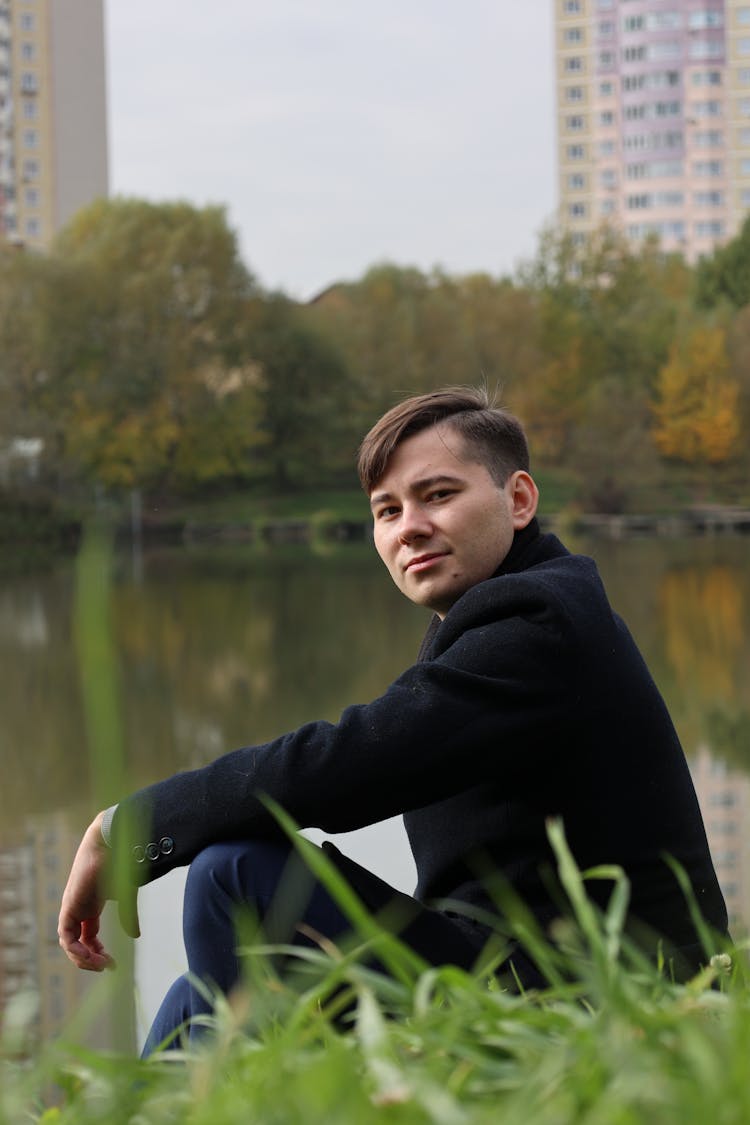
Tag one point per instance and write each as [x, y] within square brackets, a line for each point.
[221, 646]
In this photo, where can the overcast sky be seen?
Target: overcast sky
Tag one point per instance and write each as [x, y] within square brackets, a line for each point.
[340, 133]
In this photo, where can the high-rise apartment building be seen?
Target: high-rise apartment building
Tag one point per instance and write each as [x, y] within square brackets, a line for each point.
[53, 122]
[653, 101]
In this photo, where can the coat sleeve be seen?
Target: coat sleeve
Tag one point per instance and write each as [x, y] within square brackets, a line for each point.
[486, 706]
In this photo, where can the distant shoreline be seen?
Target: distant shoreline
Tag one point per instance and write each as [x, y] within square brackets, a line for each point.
[327, 527]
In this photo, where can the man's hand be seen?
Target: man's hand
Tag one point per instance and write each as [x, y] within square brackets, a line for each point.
[83, 901]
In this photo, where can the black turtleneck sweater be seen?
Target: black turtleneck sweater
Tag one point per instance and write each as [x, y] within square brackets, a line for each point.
[529, 700]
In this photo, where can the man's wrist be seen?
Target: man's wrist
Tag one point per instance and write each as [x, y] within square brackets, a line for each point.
[105, 825]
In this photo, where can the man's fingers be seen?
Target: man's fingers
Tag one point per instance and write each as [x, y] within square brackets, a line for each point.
[88, 959]
[85, 951]
[127, 908]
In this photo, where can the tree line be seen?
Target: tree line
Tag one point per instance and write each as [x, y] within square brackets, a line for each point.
[141, 352]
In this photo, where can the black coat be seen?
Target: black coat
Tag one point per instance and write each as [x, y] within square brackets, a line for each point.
[530, 700]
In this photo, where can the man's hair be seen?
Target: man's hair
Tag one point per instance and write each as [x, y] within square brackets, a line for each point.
[491, 436]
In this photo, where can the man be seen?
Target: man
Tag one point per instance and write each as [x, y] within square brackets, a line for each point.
[529, 700]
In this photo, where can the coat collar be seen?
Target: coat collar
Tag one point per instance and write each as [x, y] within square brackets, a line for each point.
[527, 547]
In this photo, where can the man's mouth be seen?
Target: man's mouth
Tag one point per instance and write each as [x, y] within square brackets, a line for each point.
[422, 562]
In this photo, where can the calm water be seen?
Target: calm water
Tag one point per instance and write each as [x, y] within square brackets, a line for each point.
[226, 646]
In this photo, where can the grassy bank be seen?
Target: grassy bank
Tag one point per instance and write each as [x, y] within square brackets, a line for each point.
[612, 1041]
[45, 527]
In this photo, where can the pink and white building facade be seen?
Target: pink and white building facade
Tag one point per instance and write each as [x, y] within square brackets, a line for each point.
[653, 103]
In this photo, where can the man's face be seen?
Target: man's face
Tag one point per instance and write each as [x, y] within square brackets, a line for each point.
[441, 522]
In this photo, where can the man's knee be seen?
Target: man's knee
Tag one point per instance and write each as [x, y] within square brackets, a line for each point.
[240, 870]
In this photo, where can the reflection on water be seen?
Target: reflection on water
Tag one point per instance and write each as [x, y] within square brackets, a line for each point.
[226, 647]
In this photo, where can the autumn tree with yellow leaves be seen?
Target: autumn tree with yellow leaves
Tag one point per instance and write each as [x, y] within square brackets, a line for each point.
[696, 404]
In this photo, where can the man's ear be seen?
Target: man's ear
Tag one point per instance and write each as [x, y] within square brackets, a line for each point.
[524, 496]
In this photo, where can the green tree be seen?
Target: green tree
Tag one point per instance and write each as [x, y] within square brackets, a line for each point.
[725, 274]
[306, 397]
[145, 346]
[24, 279]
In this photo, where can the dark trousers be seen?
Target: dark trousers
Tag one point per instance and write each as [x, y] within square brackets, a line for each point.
[269, 882]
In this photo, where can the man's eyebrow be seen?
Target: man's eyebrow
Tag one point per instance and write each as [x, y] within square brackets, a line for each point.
[417, 486]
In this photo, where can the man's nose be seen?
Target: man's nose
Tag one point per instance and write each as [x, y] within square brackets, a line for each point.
[414, 523]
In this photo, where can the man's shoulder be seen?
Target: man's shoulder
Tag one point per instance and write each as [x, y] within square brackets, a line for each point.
[547, 568]
[559, 590]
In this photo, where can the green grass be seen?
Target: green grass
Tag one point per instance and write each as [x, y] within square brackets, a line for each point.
[613, 1041]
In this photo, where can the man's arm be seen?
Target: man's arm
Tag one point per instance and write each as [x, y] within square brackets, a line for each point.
[83, 902]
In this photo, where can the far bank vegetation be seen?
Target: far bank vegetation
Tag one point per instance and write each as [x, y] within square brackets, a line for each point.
[142, 354]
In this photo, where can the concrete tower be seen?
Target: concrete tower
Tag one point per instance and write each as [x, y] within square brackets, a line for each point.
[53, 119]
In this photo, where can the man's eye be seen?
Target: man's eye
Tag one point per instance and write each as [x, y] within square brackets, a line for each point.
[386, 513]
[440, 494]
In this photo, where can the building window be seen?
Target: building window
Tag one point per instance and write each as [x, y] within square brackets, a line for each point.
[743, 106]
[672, 139]
[667, 50]
[573, 64]
[663, 230]
[606, 89]
[575, 152]
[606, 28]
[708, 199]
[743, 76]
[28, 82]
[706, 109]
[606, 148]
[33, 228]
[664, 21]
[708, 138]
[576, 181]
[574, 93]
[30, 109]
[743, 46]
[744, 138]
[634, 54]
[721, 797]
[574, 122]
[606, 117]
[606, 59]
[706, 18]
[708, 168]
[607, 207]
[27, 52]
[706, 78]
[605, 5]
[712, 229]
[577, 210]
[31, 197]
[632, 23]
[745, 197]
[655, 80]
[669, 199]
[707, 49]
[27, 21]
[649, 110]
[743, 16]
[745, 167]
[572, 7]
[30, 138]
[573, 35]
[30, 169]
[654, 169]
